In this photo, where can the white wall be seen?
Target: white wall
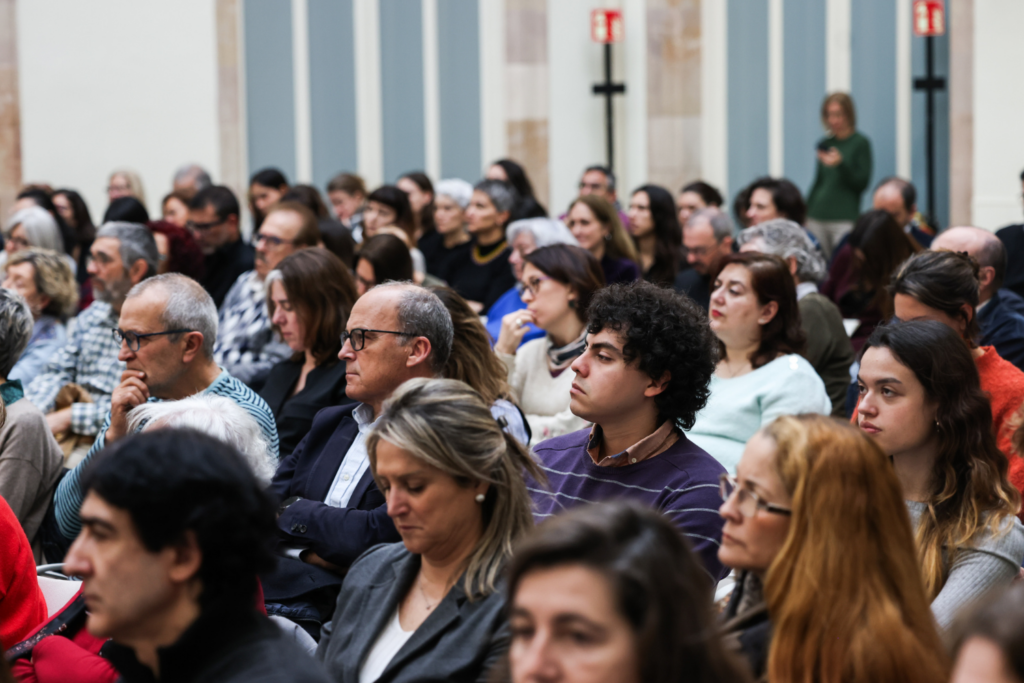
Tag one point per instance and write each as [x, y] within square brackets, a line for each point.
[998, 108]
[118, 83]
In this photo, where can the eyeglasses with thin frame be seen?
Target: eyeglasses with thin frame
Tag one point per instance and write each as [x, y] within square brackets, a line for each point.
[747, 502]
[358, 336]
[271, 240]
[203, 227]
[533, 285]
[134, 340]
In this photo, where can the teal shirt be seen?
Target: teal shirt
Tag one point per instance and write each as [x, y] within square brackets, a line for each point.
[837, 190]
[11, 391]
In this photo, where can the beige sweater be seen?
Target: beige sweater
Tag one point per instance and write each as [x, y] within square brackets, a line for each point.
[543, 398]
[30, 462]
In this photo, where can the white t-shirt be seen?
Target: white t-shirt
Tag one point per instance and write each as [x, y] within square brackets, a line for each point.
[384, 649]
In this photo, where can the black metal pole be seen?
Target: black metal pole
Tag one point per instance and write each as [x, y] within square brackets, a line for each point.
[930, 142]
[609, 121]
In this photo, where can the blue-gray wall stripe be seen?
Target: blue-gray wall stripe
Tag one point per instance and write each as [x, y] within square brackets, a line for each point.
[269, 85]
[401, 68]
[747, 91]
[803, 84]
[332, 91]
[458, 52]
[919, 127]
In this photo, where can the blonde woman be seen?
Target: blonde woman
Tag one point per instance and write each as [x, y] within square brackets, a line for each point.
[125, 183]
[595, 224]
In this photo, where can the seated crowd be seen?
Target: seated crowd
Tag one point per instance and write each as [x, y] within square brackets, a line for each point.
[429, 433]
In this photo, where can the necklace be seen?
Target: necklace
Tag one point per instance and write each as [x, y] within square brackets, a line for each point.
[494, 251]
[419, 584]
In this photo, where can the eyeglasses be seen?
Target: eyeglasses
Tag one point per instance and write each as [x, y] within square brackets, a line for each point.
[270, 240]
[202, 227]
[592, 187]
[533, 285]
[358, 337]
[18, 242]
[134, 341]
[747, 502]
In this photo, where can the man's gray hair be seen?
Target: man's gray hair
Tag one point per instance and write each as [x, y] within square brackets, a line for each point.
[15, 329]
[217, 416]
[188, 307]
[421, 313]
[721, 225]
[195, 173]
[501, 194]
[787, 239]
[545, 231]
[40, 228]
[136, 243]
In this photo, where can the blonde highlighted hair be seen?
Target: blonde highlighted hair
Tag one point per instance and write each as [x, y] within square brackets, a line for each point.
[619, 244]
[53, 279]
[845, 103]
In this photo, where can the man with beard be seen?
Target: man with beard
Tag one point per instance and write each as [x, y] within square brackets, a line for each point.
[87, 368]
[246, 344]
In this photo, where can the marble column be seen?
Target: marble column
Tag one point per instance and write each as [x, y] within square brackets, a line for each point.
[230, 102]
[526, 95]
[961, 111]
[10, 117]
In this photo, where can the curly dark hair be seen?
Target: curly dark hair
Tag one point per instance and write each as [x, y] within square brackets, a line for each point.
[663, 331]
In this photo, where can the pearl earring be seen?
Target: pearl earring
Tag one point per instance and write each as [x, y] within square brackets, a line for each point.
[479, 497]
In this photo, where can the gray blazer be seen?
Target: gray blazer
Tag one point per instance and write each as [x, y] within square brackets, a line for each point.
[459, 641]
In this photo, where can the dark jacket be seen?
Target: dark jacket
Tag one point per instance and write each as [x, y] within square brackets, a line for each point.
[325, 387]
[1012, 237]
[460, 640]
[695, 286]
[1003, 327]
[224, 646]
[222, 268]
[619, 270]
[745, 627]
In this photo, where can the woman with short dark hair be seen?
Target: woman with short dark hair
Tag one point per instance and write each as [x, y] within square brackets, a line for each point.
[266, 187]
[526, 204]
[420, 191]
[655, 229]
[488, 275]
[382, 258]
[760, 373]
[388, 211]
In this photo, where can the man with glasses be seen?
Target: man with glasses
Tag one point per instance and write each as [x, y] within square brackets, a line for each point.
[165, 335]
[600, 181]
[213, 219]
[246, 344]
[332, 511]
[640, 394]
[707, 237]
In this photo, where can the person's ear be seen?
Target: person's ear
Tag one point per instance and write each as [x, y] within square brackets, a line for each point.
[420, 349]
[503, 217]
[658, 386]
[44, 301]
[791, 262]
[138, 271]
[193, 346]
[727, 244]
[768, 312]
[967, 314]
[232, 222]
[986, 274]
[184, 559]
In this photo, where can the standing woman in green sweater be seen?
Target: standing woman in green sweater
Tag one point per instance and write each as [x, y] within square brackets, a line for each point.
[844, 169]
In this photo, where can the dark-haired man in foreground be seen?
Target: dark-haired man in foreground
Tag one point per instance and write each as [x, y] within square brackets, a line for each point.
[175, 528]
[642, 379]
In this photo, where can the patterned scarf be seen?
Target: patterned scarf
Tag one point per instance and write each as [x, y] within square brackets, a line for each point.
[562, 357]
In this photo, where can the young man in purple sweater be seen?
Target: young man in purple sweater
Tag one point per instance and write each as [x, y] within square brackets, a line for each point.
[641, 381]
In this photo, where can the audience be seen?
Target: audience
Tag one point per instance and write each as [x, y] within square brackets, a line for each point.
[30, 459]
[266, 187]
[641, 394]
[72, 208]
[769, 198]
[174, 208]
[177, 249]
[828, 347]
[921, 402]
[213, 218]
[125, 183]
[335, 237]
[22, 605]
[899, 198]
[166, 332]
[525, 204]
[347, 194]
[417, 186]
[75, 386]
[558, 283]
[189, 179]
[1000, 311]
[707, 237]
[126, 209]
[446, 250]
[246, 344]
[388, 211]
[802, 483]
[862, 268]
[169, 575]
[622, 580]
[309, 296]
[453, 482]
[989, 645]
[32, 228]
[487, 276]
[655, 230]
[382, 258]
[760, 373]
[332, 510]
[595, 224]
[42, 277]
[696, 196]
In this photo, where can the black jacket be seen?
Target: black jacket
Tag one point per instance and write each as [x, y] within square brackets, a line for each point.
[1002, 326]
[222, 268]
[325, 387]
[745, 628]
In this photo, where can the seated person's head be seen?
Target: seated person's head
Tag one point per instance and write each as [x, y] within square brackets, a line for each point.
[395, 332]
[989, 642]
[645, 344]
[347, 193]
[122, 255]
[754, 303]
[490, 208]
[774, 198]
[528, 234]
[181, 320]
[879, 246]
[216, 416]
[389, 206]
[45, 279]
[286, 228]
[941, 286]
[558, 283]
[802, 483]
[987, 249]
[173, 524]
[696, 196]
[32, 227]
[213, 217]
[707, 236]
[15, 329]
[382, 258]
[452, 478]
[266, 187]
[451, 197]
[624, 579]
[595, 223]
[126, 210]
[786, 239]
[897, 197]
[309, 297]
[178, 248]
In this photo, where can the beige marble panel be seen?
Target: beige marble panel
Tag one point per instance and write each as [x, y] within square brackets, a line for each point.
[526, 31]
[674, 154]
[230, 106]
[10, 117]
[528, 144]
[526, 89]
[961, 111]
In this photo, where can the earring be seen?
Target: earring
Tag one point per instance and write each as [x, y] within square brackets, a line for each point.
[572, 303]
[479, 497]
[607, 238]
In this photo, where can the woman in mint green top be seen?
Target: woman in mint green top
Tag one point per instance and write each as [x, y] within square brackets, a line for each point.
[760, 374]
[843, 173]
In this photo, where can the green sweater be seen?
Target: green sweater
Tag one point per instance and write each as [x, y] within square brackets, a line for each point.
[835, 194]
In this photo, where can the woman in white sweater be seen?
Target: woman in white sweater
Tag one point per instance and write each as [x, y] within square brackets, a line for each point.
[558, 282]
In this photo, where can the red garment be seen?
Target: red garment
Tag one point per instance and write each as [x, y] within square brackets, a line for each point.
[22, 605]
[1004, 384]
[57, 659]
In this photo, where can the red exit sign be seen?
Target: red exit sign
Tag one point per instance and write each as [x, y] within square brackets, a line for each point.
[929, 18]
[606, 26]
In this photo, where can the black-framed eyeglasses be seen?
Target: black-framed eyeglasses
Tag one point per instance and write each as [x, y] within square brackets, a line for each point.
[358, 336]
[747, 502]
[134, 341]
[270, 239]
[202, 227]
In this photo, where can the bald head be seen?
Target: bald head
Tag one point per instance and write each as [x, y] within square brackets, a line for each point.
[984, 247]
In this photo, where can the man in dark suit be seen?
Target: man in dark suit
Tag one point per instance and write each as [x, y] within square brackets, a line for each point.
[999, 310]
[332, 511]
[707, 237]
[1012, 237]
